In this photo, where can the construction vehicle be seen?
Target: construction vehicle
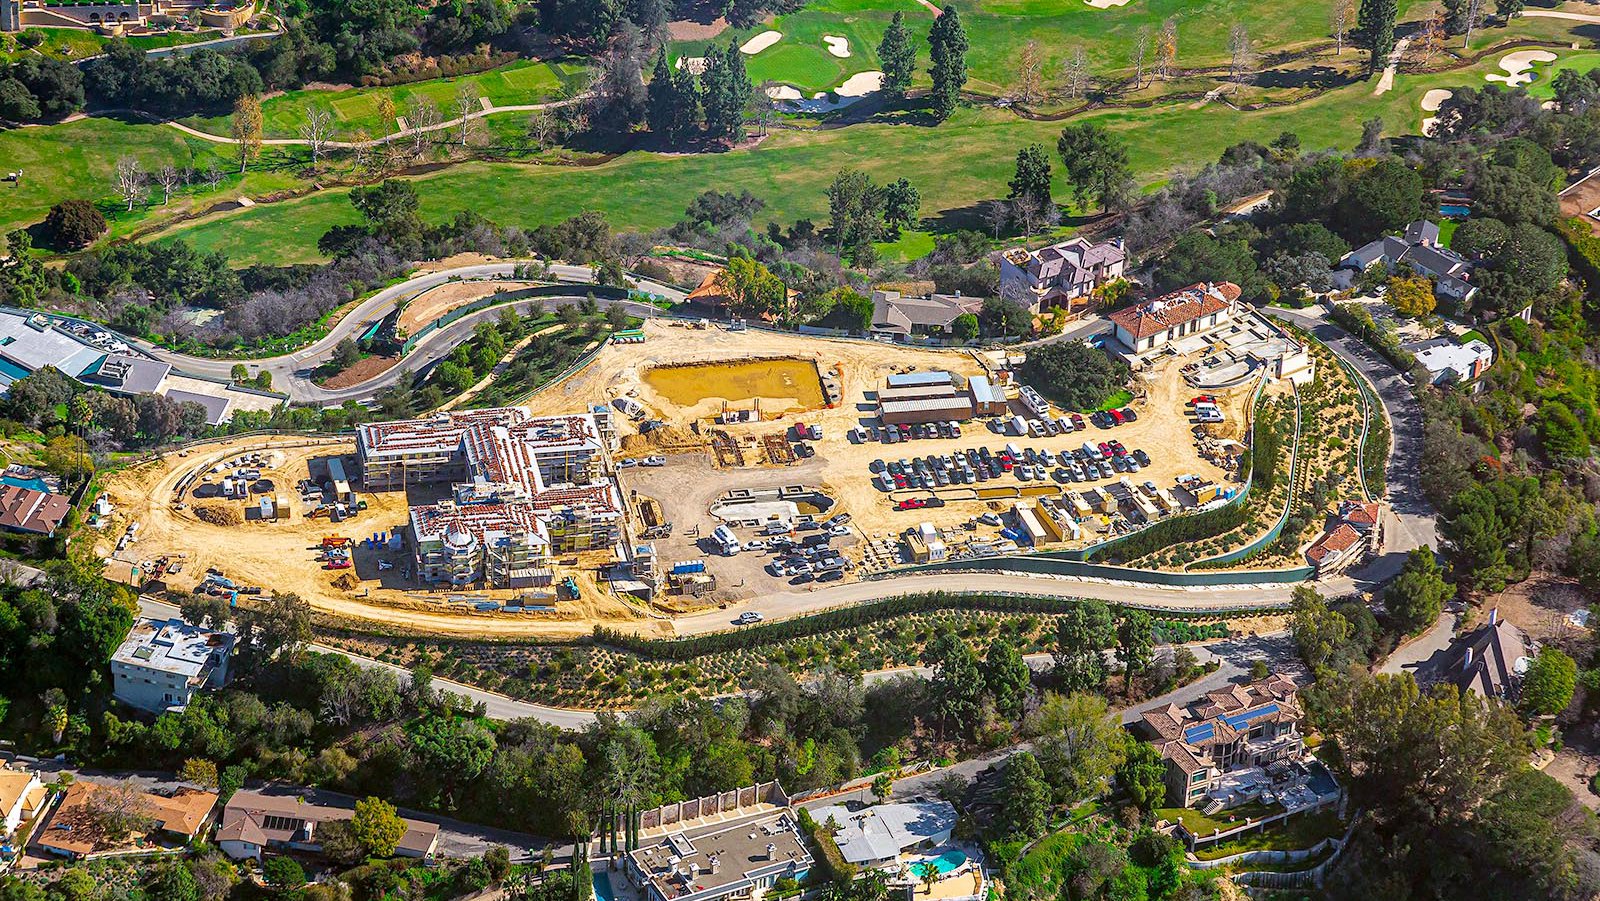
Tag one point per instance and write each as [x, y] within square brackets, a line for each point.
[335, 541]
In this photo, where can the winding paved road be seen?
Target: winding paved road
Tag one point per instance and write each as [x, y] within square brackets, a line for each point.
[291, 373]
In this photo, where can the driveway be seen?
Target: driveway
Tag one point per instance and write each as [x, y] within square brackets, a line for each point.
[291, 373]
[1413, 522]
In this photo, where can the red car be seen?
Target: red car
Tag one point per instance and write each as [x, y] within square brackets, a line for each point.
[1202, 399]
[1117, 417]
[1077, 422]
[1105, 450]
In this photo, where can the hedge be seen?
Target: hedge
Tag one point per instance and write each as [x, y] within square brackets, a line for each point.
[1583, 248]
[1184, 529]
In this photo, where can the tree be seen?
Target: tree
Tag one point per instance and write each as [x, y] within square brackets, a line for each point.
[1167, 48]
[947, 43]
[1030, 71]
[119, 810]
[1549, 683]
[73, 224]
[200, 771]
[1341, 19]
[280, 625]
[956, 686]
[247, 124]
[130, 181]
[1514, 196]
[17, 103]
[174, 881]
[377, 826]
[1135, 643]
[1561, 434]
[1096, 164]
[1002, 318]
[423, 117]
[965, 327]
[1076, 72]
[901, 205]
[1411, 295]
[345, 354]
[1376, 23]
[1032, 178]
[454, 750]
[317, 130]
[1508, 9]
[1379, 196]
[168, 178]
[1073, 374]
[1417, 596]
[468, 100]
[1142, 774]
[1241, 54]
[1024, 798]
[897, 57]
[1007, 677]
[283, 872]
[1083, 634]
[1139, 56]
[855, 211]
[1079, 744]
[883, 787]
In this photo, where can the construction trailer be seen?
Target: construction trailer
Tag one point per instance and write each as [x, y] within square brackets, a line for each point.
[338, 483]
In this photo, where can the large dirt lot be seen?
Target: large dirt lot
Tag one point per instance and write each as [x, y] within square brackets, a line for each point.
[437, 301]
[283, 555]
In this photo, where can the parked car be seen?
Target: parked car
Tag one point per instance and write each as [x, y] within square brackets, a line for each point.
[748, 617]
[654, 460]
[1128, 414]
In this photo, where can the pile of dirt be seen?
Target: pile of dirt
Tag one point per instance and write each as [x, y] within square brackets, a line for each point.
[218, 514]
[346, 582]
[669, 438]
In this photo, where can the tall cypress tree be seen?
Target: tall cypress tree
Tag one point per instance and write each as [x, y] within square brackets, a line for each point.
[897, 56]
[714, 93]
[948, 48]
[686, 93]
[661, 108]
[738, 88]
[1376, 22]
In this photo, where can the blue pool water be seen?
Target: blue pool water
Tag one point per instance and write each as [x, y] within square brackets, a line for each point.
[946, 862]
[35, 484]
[1454, 210]
[1322, 781]
[602, 887]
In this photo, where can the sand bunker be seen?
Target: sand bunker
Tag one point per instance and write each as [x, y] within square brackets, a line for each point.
[1519, 64]
[854, 88]
[1107, 4]
[784, 92]
[1431, 102]
[837, 46]
[760, 42]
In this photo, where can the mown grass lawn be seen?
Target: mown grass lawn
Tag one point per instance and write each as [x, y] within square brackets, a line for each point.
[522, 82]
[1296, 833]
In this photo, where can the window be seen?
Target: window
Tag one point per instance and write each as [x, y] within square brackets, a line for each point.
[1198, 777]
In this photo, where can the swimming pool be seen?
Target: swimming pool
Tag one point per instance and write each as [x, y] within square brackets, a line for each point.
[602, 887]
[1454, 210]
[35, 484]
[947, 862]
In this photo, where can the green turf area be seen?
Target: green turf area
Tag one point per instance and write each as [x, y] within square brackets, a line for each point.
[912, 245]
[1447, 230]
[61, 43]
[171, 39]
[1545, 73]
[1296, 833]
[522, 82]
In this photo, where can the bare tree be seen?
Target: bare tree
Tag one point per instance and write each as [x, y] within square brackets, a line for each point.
[1025, 213]
[541, 129]
[1140, 56]
[468, 101]
[214, 176]
[1077, 72]
[1430, 39]
[317, 130]
[168, 178]
[118, 810]
[1030, 68]
[130, 181]
[996, 215]
[1474, 19]
[361, 149]
[1167, 48]
[247, 125]
[423, 117]
[1241, 54]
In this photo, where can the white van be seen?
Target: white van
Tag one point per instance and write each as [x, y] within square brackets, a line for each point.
[726, 540]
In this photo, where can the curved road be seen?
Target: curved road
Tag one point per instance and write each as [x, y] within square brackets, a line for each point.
[291, 373]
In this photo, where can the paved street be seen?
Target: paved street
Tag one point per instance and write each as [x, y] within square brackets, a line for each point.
[291, 373]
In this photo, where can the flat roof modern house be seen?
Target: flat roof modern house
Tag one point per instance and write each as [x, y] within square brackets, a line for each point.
[876, 836]
[163, 663]
[739, 859]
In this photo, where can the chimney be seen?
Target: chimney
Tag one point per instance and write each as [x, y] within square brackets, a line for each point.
[772, 851]
[1466, 660]
[716, 864]
[1494, 615]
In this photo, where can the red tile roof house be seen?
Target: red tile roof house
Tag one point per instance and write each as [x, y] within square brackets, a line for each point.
[1358, 529]
[1230, 728]
[1154, 323]
[28, 510]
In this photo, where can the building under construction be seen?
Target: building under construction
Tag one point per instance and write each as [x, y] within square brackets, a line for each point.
[523, 488]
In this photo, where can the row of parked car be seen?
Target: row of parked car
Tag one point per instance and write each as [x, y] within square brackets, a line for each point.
[894, 434]
[967, 467]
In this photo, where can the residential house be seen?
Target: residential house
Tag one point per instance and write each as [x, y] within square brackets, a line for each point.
[1229, 729]
[73, 831]
[287, 819]
[876, 836]
[1418, 246]
[21, 797]
[161, 664]
[1354, 532]
[1489, 661]
[1060, 274]
[1449, 360]
[1155, 323]
[932, 314]
[31, 511]
[730, 859]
